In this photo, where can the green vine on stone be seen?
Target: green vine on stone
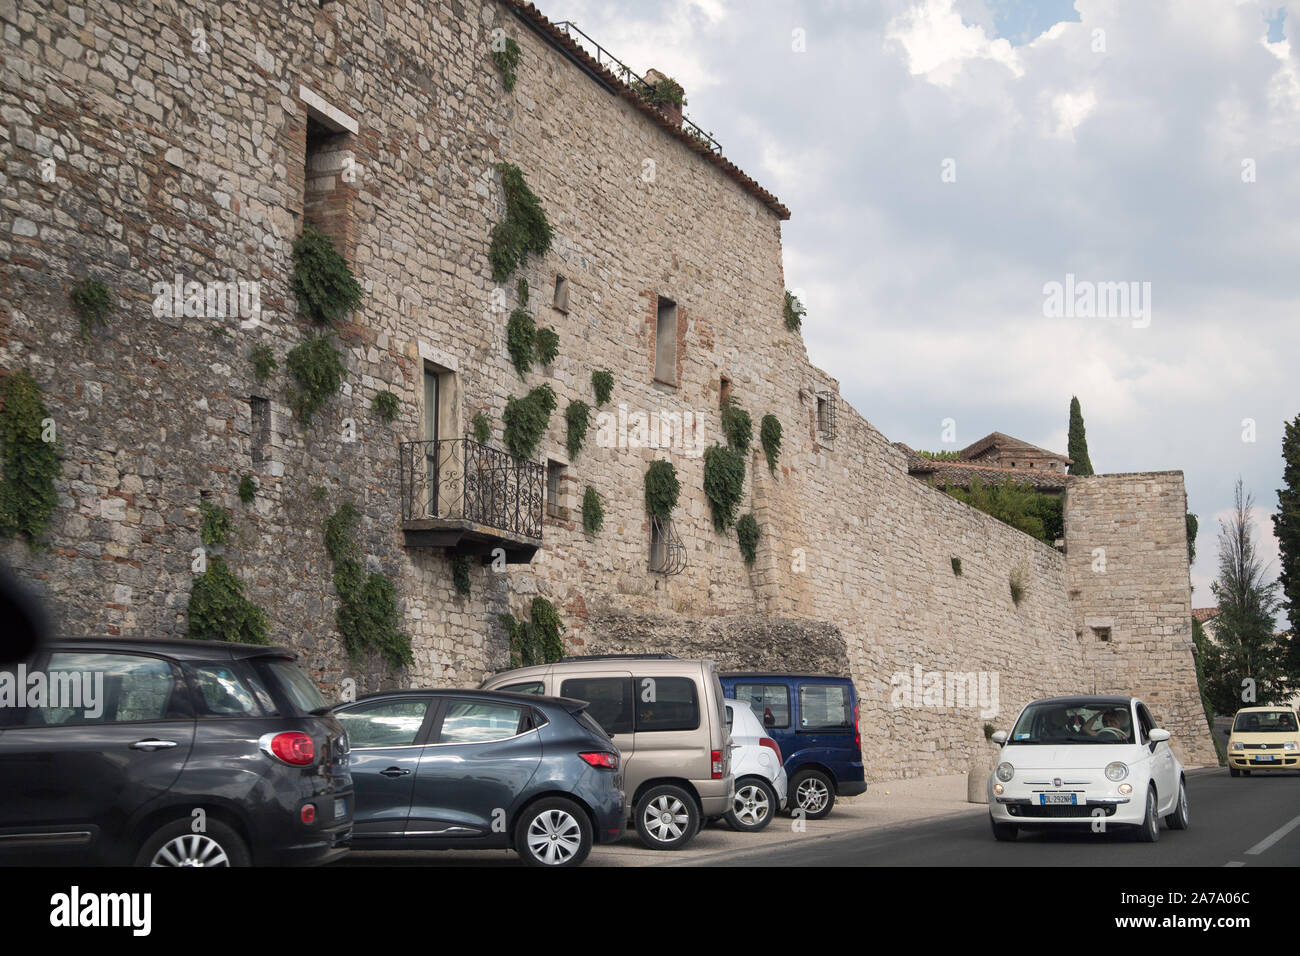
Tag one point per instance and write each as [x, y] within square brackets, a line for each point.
[577, 418]
[526, 420]
[247, 489]
[593, 511]
[667, 92]
[482, 428]
[747, 533]
[602, 383]
[215, 524]
[218, 610]
[367, 617]
[548, 345]
[536, 641]
[93, 303]
[956, 567]
[30, 457]
[324, 284]
[769, 436]
[505, 54]
[794, 311]
[521, 340]
[460, 574]
[386, 405]
[724, 483]
[662, 489]
[264, 363]
[525, 228]
[318, 369]
[737, 425]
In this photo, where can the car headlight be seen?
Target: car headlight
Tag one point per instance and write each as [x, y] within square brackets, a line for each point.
[1238, 745]
[1005, 772]
[1290, 745]
[1125, 789]
[1116, 771]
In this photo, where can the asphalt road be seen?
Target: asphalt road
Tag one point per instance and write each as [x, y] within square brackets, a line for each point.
[1246, 821]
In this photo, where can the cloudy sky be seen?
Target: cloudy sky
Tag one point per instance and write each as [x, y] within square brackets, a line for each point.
[945, 160]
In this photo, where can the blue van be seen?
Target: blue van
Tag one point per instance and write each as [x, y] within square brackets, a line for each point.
[814, 720]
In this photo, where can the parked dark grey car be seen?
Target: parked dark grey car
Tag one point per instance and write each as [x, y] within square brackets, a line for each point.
[473, 769]
[178, 753]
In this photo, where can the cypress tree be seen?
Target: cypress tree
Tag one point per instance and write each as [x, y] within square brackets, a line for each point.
[1286, 526]
[1078, 449]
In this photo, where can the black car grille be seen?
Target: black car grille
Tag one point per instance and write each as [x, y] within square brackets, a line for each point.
[1060, 810]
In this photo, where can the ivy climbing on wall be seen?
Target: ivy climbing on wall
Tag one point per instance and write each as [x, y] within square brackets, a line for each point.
[29, 454]
[367, 617]
[535, 641]
[525, 230]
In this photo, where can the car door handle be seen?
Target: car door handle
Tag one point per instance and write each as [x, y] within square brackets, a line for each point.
[153, 744]
[394, 772]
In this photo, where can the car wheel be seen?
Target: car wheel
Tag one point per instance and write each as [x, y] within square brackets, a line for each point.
[753, 806]
[667, 817]
[814, 794]
[1179, 818]
[1149, 832]
[177, 844]
[1004, 832]
[1234, 772]
[553, 832]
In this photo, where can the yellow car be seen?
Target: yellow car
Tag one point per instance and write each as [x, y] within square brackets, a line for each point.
[1264, 738]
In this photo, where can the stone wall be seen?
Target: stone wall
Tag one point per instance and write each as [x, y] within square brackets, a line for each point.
[171, 160]
[1126, 537]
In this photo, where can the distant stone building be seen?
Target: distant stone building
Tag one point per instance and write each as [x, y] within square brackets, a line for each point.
[995, 457]
[153, 147]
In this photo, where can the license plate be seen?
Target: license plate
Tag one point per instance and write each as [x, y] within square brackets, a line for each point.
[340, 808]
[1267, 758]
[1047, 799]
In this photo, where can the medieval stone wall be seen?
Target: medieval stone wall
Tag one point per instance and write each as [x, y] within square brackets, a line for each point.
[174, 160]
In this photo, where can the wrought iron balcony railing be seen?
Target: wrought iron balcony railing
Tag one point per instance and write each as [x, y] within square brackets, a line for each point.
[457, 479]
[626, 74]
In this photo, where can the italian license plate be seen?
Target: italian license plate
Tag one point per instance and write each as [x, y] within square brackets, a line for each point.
[340, 808]
[1267, 758]
[1048, 799]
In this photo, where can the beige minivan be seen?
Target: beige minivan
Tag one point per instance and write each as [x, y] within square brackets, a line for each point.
[668, 719]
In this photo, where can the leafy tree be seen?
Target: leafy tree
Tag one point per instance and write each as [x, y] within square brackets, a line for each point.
[1078, 447]
[1017, 504]
[1286, 526]
[1243, 629]
[1193, 528]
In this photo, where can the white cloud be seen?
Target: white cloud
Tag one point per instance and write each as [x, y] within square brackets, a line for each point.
[1071, 109]
[938, 43]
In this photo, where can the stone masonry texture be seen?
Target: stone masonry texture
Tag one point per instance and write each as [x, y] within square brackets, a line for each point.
[148, 140]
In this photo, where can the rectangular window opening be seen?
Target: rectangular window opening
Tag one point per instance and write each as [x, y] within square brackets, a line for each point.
[666, 343]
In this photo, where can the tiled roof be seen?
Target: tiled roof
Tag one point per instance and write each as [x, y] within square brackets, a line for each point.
[959, 473]
[572, 49]
[1203, 614]
[999, 440]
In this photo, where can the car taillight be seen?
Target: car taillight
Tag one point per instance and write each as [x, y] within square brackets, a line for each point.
[600, 758]
[293, 747]
[772, 745]
[857, 731]
[309, 813]
[717, 764]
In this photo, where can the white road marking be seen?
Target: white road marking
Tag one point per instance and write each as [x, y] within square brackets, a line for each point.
[1273, 837]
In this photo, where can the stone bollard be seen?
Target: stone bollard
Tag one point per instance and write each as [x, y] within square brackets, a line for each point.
[977, 778]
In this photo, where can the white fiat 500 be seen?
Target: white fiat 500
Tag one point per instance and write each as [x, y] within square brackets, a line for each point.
[1098, 761]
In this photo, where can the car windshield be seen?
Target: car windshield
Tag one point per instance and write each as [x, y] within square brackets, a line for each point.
[1073, 723]
[1265, 722]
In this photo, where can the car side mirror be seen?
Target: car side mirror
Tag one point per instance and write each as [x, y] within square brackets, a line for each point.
[1156, 735]
[999, 737]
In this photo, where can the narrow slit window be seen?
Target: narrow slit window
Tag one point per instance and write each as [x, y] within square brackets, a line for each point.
[561, 300]
[666, 342]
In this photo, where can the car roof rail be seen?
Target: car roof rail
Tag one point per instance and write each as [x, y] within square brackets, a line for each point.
[618, 657]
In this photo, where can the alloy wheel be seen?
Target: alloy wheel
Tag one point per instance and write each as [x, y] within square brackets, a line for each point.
[192, 849]
[666, 818]
[751, 805]
[554, 837]
[812, 795]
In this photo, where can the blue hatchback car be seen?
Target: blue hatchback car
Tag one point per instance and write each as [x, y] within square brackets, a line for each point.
[814, 720]
[475, 769]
